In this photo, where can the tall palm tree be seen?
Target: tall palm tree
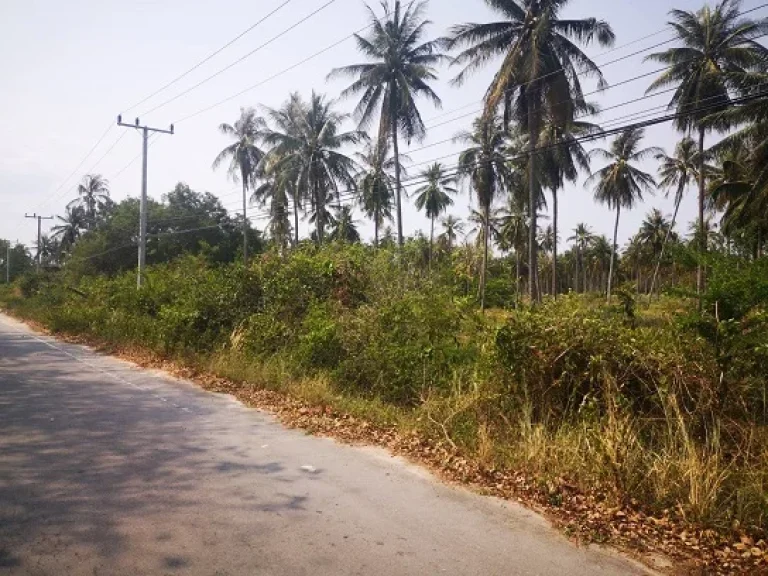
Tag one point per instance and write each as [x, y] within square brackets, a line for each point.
[72, 224]
[654, 230]
[718, 50]
[739, 185]
[485, 230]
[244, 157]
[47, 250]
[274, 191]
[286, 120]
[539, 74]
[93, 195]
[307, 147]
[452, 227]
[376, 184]
[676, 173]
[620, 184]
[562, 157]
[401, 65]
[601, 255]
[484, 164]
[434, 197]
[514, 233]
[344, 226]
[582, 239]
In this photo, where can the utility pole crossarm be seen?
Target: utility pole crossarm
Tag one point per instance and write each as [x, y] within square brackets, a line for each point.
[137, 125]
[145, 130]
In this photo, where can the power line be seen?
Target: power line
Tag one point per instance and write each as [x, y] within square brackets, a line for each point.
[242, 58]
[210, 56]
[274, 76]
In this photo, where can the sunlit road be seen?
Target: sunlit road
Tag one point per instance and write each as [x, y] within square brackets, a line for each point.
[108, 469]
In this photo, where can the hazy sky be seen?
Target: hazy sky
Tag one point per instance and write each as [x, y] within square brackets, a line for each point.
[69, 68]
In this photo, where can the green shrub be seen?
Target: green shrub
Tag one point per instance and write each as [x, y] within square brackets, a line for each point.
[563, 358]
[319, 345]
[401, 348]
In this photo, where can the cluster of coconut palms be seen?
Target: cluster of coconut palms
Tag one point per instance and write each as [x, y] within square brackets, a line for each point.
[83, 213]
[529, 140]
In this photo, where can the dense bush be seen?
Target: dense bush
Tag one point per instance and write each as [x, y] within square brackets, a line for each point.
[567, 358]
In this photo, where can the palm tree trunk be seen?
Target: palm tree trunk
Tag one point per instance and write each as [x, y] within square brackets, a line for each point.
[245, 220]
[396, 151]
[320, 209]
[533, 262]
[664, 247]
[517, 276]
[613, 251]
[295, 218]
[431, 241]
[578, 268]
[554, 245]
[376, 230]
[702, 238]
[484, 271]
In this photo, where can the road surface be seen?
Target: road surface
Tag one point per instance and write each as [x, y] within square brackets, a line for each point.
[109, 469]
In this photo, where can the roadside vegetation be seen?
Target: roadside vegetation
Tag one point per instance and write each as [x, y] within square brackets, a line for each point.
[638, 373]
[661, 405]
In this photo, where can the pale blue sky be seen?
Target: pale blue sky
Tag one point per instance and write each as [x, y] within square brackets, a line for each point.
[69, 68]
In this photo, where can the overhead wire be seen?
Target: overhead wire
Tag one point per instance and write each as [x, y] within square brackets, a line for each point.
[241, 59]
[209, 57]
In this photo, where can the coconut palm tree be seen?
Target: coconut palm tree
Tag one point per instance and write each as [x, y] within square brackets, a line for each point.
[307, 148]
[739, 185]
[434, 197]
[244, 157]
[72, 224]
[47, 250]
[92, 196]
[485, 229]
[676, 173]
[344, 227]
[452, 227]
[718, 50]
[484, 164]
[654, 230]
[582, 238]
[600, 256]
[274, 191]
[401, 65]
[539, 75]
[376, 184]
[561, 159]
[514, 233]
[620, 184]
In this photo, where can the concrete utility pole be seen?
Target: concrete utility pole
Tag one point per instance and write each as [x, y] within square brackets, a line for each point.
[39, 227]
[145, 130]
[8, 263]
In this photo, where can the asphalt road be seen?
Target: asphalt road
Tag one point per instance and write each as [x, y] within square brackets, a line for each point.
[109, 469]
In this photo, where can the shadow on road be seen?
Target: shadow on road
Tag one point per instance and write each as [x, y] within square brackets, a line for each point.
[81, 455]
